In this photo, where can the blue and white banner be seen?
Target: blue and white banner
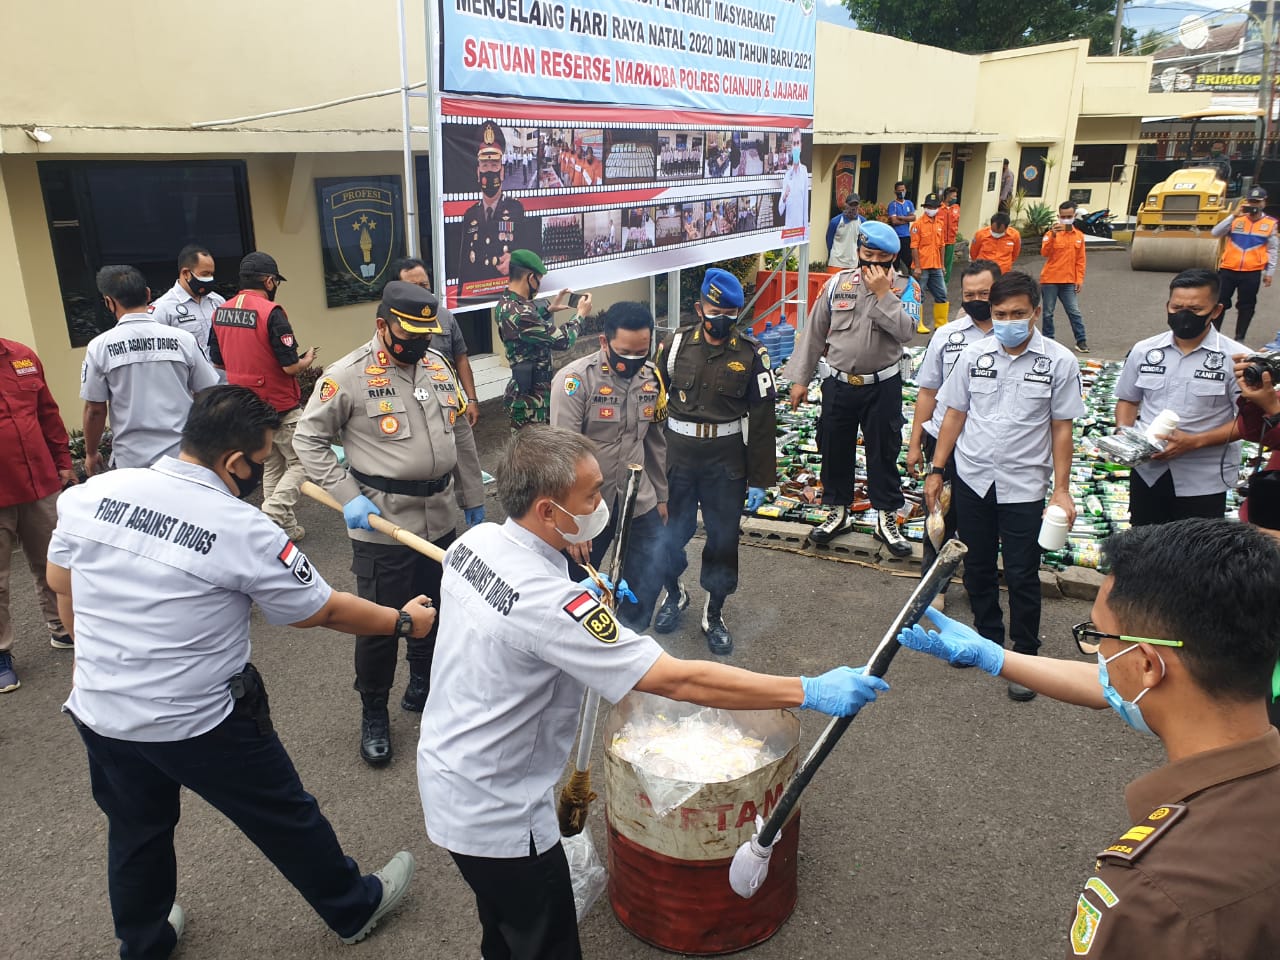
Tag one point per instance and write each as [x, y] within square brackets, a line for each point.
[726, 56]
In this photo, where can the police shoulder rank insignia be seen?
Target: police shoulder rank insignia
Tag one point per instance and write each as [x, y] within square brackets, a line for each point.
[737, 367]
[986, 362]
[1141, 836]
[1042, 365]
[296, 562]
[383, 359]
[328, 390]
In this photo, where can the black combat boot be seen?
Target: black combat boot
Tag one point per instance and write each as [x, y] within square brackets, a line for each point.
[415, 693]
[668, 617]
[718, 637]
[375, 730]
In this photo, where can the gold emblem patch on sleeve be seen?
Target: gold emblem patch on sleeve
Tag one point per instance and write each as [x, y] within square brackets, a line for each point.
[601, 625]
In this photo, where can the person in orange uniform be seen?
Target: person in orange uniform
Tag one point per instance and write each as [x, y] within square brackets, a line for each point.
[950, 210]
[1063, 274]
[1248, 258]
[999, 243]
[928, 243]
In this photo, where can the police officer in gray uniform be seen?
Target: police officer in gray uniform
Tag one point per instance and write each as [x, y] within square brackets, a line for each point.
[140, 372]
[396, 407]
[718, 383]
[1010, 405]
[614, 397]
[945, 346]
[1186, 369]
[164, 694]
[190, 303]
[860, 321]
[519, 642]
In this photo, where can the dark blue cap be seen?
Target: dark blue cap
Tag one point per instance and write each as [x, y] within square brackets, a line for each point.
[720, 288]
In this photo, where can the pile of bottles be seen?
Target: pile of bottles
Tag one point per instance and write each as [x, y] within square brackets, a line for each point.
[1100, 489]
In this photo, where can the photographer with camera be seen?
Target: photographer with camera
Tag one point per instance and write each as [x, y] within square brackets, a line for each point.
[1183, 370]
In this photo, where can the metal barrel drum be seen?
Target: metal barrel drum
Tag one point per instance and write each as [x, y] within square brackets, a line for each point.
[669, 871]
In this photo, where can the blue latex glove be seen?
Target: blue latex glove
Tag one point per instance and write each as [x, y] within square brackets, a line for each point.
[623, 592]
[841, 692]
[474, 515]
[755, 498]
[357, 511]
[955, 643]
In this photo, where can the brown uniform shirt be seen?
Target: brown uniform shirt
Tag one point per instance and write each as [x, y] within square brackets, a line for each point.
[1198, 877]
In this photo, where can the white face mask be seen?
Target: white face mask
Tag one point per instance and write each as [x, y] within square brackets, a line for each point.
[931, 211]
[997, 235]
[589, 524]
[1066, 221]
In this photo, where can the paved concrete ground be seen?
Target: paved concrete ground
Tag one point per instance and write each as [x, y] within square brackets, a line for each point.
[951, 822]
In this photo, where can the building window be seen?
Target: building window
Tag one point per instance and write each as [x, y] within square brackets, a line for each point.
[1091, 163]
[141, 213]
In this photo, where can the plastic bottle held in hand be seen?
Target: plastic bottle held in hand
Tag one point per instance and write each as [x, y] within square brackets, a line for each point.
[1054, 528]
[1162, 426]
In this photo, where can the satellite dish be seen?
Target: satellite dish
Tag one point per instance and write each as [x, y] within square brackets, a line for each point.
[1193, 33]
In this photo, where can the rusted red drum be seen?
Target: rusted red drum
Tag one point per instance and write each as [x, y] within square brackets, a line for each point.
[669, 875]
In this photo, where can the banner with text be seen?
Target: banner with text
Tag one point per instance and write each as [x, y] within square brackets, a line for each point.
[607, 194]
[719, 55]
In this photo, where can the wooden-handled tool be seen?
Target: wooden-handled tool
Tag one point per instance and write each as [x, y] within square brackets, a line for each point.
[411, 540]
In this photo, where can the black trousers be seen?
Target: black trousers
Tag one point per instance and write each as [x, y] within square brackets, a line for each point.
[1159, 504]
[927, 446]
[990, 529]
[716, 481]
[248, 777]
[1243, 285]
[877, 409]
[525, 904]
[641, 568]
[392, 575]
[904, 256]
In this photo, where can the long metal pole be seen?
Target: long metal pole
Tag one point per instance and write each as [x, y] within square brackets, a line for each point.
[410, 193]
[435, 146]
[1265, 91]
[1118, 37]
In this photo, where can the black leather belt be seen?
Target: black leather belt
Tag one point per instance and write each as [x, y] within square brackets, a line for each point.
[409, 488]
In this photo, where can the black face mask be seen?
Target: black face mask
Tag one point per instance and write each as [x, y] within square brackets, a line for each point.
[625, 367]
[902, 194]
[1187, 324]
[409, 350]
[244, 488]
[490, 184]
[271, 294]
[199, 287]
[978, 310]
[719, 325]
[883, 265]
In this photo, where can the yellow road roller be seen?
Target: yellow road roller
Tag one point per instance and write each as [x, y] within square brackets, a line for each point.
[1172, 232]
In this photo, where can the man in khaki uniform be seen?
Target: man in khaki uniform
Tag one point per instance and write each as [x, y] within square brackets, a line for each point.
[396, 407]
[1185, 647]
[615, 398]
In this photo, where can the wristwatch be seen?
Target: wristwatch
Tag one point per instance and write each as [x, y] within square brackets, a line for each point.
[404, 625]
[936, 471]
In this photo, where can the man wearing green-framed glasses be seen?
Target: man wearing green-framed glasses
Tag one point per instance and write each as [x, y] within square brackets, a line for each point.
[1185, 637]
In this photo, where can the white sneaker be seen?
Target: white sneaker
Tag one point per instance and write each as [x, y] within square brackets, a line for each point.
[177, 920]
[840, 521]
[394, 877]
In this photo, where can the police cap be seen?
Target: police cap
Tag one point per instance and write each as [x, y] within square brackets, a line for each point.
[415, 309]
[932, 200]
[720, 288]
[529, 260]
[877, 235]
[492, 144]
[260, 265]
[1257, 193]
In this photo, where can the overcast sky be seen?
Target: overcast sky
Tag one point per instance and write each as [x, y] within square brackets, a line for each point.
[1142, 15]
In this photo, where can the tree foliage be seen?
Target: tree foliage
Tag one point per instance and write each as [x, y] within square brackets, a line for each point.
[978, 26]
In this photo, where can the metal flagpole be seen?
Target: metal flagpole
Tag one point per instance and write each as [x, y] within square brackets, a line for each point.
[435, 158]
[410, 193]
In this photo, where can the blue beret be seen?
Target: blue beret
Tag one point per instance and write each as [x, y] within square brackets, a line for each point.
[880, 236]
[720, 288]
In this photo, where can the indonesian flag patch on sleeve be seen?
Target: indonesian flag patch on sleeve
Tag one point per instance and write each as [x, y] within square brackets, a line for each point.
[296, 561]
[580, 605]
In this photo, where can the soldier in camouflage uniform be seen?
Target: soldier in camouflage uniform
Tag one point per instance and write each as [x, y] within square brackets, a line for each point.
[529, 333]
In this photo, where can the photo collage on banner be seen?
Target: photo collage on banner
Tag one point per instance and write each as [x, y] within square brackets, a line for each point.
[657, 143]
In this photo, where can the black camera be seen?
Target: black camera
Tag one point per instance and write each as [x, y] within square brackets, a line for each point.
[1260, 363]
